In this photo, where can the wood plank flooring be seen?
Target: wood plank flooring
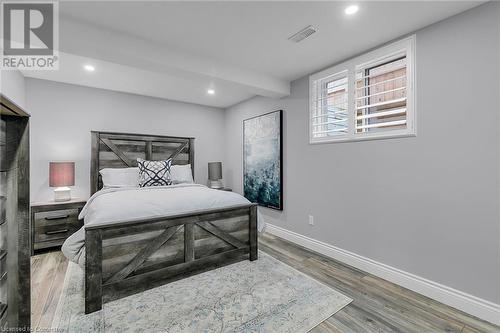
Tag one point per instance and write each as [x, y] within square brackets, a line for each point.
[47, 276]
[378, 306]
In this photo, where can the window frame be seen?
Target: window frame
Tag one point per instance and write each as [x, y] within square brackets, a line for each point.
[368, 60]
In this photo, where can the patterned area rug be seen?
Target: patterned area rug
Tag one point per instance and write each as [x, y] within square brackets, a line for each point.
[260, 296]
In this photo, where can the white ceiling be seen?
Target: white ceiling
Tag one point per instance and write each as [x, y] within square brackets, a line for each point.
[177, 50]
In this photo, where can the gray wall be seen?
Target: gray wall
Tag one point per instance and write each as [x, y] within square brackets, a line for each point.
[427, 205]
[12, 85]
[63, 116]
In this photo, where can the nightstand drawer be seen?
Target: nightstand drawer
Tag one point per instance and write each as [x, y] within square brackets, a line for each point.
[55, 217]
[50, 232]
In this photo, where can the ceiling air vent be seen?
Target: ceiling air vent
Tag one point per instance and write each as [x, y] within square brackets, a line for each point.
[302, 34]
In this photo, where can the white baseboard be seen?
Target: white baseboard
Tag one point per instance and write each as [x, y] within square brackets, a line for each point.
[470, 304]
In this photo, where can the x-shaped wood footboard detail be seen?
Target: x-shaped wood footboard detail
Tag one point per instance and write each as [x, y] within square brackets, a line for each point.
[161, 239]
[144, 254]
[211, 228]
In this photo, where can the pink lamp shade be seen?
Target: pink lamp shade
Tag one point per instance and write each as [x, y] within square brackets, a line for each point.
[61, 174]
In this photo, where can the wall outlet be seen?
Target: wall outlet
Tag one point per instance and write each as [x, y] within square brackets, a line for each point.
[311, 220]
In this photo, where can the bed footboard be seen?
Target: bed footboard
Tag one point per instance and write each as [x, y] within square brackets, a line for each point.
[129, 257]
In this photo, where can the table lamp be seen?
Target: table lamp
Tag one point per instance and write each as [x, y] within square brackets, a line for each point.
[62, 175]
[215, 174]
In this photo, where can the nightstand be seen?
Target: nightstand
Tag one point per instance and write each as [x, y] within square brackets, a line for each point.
[53, 222]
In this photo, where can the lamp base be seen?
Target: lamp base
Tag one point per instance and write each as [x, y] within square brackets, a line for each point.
[62, 194]
[216, 184]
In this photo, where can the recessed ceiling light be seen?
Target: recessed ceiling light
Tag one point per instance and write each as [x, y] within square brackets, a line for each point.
[210, 91]
[89, 68]
[351, 9]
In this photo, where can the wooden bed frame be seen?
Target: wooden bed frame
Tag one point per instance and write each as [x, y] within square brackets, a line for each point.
[127, 257]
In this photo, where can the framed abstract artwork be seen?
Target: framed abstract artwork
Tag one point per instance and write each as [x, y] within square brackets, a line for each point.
[263, 159]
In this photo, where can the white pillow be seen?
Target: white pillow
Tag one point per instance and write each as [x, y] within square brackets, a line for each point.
[120, 177]
[181, 174]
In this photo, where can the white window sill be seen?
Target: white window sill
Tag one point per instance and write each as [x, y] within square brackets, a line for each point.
[362, 138]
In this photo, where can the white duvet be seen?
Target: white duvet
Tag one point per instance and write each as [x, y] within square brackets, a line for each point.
[134, 203]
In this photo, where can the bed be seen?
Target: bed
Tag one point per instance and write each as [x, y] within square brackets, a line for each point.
[128, 252]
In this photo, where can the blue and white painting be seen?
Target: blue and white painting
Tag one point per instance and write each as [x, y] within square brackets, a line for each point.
[262, 159]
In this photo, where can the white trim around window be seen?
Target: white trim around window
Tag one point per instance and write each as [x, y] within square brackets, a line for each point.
[369, 97]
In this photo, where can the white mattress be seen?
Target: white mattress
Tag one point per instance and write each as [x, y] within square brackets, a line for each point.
[134, 203]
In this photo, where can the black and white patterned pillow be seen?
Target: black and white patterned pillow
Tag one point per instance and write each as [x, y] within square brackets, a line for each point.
[154, 173]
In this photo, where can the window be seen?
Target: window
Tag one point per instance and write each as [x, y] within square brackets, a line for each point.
[329, 113]
[369, 97]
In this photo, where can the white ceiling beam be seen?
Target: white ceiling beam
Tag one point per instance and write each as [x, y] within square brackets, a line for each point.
[91, 41]
[123, 78]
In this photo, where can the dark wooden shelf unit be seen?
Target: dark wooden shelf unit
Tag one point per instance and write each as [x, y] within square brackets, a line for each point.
[15, 310]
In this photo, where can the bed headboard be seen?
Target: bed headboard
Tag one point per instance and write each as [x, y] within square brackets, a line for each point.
[120, 150]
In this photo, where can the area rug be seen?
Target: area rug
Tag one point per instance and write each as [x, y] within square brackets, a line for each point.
[260, 296]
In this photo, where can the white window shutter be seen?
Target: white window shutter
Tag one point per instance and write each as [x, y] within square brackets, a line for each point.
[381, 95]
[329, 109]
